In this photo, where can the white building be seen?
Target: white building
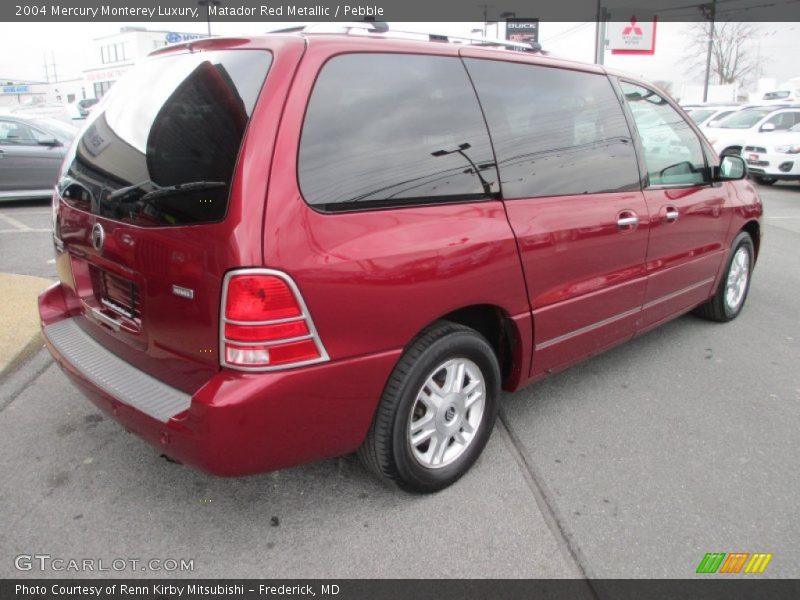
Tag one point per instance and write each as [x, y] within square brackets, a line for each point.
[112, 55]
[109, 58]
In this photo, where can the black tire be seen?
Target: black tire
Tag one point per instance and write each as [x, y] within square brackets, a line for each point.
[387, 452]
[718, 308]
[731, 151]
[764, 180]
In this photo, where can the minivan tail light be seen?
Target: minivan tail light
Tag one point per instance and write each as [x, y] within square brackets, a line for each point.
[265, 324]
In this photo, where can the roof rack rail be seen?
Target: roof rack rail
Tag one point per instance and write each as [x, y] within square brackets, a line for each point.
[370, 28]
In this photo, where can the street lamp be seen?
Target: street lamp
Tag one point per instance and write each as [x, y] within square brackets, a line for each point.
[208, 4]
[487, 188]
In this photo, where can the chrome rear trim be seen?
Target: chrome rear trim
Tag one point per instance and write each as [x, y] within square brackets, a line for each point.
[119, 379]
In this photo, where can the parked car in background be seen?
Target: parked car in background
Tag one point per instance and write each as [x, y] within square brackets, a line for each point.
[774, 157]
[31, 152]
[390, 286]
[80, 108]
[729, 135]
[59, 112]
[783, 95]
[702, 114]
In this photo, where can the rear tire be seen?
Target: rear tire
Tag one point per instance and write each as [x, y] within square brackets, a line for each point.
[728, 301]
[437, 411]
[764, 180]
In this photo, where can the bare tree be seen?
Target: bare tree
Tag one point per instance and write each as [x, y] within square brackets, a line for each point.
[732, 57]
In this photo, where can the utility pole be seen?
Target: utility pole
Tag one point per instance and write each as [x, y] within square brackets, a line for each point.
[711, 13]
[600, 34]
[485, 16]
[48, 66]
[208, 4]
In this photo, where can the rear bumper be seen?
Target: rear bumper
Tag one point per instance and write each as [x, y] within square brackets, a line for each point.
[237, 423]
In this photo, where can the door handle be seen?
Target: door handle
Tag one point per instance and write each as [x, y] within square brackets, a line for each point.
[671, 215]
[627, 220]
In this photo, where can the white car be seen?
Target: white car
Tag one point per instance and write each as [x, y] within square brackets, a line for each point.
[729, 135]
[703, 114]
[773, 157]
[783, 95]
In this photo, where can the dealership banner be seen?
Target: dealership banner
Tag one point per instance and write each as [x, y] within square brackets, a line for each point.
[402, 589]
[522, 30]
[379, 10]
[632, 32]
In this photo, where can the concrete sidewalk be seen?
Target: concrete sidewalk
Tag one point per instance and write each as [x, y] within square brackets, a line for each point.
[19, 317]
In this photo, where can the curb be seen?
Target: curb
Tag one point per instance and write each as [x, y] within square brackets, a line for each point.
[33, 346]
[20, 326]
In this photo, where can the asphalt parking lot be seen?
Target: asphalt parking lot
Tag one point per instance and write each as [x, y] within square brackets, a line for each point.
[633, 464]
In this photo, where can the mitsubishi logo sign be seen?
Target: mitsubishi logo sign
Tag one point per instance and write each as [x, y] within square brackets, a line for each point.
[632, 28]
[633, 35]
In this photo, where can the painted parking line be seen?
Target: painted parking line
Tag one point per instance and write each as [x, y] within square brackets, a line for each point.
[19, 225]
[25, 212]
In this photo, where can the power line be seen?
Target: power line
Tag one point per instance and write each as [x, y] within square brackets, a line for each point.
[567, 32]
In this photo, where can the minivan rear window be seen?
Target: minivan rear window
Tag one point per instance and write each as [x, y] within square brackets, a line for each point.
[161, 147]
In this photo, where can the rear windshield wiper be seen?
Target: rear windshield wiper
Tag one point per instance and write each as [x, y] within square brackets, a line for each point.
[162, 190]
[192, 186]
[124, 191]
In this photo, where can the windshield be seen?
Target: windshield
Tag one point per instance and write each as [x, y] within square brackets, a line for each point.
[744, 119]
[776, 95]
[699, 115]
[172, 125]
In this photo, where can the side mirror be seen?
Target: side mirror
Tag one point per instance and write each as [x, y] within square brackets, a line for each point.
[730, 168]
[49, 141]
[768, 127]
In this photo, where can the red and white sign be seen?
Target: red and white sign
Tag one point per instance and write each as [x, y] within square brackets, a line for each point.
[632, 36]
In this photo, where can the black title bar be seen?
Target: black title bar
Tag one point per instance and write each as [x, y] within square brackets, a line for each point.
[389, 10]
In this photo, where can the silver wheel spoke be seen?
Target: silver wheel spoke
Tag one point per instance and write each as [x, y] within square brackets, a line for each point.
[437, 457]
[476, 395]
[422, 429]
[458, 381]
[459, 437]
[431, 401]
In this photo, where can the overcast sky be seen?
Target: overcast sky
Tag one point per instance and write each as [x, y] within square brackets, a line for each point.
[23, 46]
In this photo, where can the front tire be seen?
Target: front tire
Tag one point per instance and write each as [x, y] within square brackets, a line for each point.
[728, 301]
[437, 411]
[764, 180]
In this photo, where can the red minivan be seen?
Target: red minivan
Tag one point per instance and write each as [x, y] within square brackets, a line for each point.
[280, 249]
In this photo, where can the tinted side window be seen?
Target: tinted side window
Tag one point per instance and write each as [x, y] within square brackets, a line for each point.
[555, 131]
[672, 152]
[394, 129]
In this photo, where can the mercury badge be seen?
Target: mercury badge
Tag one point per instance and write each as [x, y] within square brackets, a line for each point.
[98, 237]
